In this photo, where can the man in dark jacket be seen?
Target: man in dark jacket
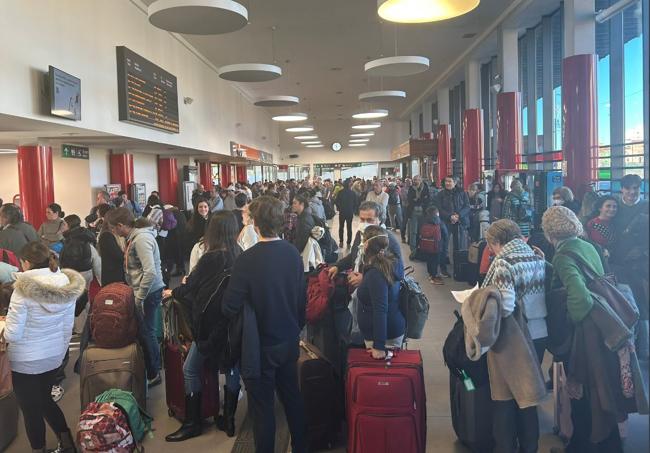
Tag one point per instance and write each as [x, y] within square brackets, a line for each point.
[453, 204]
[346, 202]
[418, 201]
[306, 223]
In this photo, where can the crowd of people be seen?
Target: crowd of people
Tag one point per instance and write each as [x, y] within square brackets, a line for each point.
[266, 236]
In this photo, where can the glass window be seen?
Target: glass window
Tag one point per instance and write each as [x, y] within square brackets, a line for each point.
[557, 39]
[523, 87]
[633, 73]
[539, 88]
[434, 117]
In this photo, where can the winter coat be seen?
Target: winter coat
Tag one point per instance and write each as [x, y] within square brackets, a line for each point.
[142, 268]
[413, 199]
[76, 253]
[13, 238]
[348, 262]
[112, 258]
[346, 202]
[451, 202]
[317, 208]
[28, 230]
[511, 209]
[41, 314]
[303, 229]
[51, 231]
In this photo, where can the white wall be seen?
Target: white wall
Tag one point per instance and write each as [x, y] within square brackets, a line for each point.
[8, 177]
[145, 169]
[71, 184]
[80, 36]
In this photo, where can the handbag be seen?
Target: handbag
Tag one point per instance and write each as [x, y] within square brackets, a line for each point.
[605, 286]
[5, 368]
[559, 325]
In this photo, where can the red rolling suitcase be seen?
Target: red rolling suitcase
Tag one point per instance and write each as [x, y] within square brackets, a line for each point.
[386, 403]
[174, 357]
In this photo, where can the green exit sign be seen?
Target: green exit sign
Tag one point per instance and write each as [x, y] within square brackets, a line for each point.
[74, 152]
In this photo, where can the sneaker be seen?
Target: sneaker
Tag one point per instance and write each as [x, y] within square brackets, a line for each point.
[437, 281]
[445, 274]
[154, 381]
[57, 393]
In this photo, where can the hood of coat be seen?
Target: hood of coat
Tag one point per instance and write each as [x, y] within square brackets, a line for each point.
[51, 289]
[142, 233]
[80, 234]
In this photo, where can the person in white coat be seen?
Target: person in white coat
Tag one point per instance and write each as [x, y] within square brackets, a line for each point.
[38, 331]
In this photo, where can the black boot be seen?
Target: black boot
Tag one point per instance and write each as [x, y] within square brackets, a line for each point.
[226, 422]
[191, 427]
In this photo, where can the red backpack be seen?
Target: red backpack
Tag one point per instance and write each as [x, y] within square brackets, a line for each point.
[112, 317]
[9, 257]
[430, 238]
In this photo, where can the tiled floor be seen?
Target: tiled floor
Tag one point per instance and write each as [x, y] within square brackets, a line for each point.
[440, 435]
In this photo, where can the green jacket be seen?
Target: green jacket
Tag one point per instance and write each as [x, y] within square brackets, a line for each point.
[566, 272]
[139, 420]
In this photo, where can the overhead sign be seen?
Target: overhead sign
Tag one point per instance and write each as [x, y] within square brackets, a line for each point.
[75, 152]
[239, 150]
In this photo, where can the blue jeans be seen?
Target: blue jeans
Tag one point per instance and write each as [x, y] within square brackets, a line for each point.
[193, 370]
[147, 332]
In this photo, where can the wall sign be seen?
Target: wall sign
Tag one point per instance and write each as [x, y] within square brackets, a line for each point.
[75, 152]
[239, 150]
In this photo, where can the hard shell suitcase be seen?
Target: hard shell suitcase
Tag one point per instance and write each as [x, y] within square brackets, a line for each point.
[173, 357]
[461, 266]
[471, 415]
[8, 419]
[386, 403]
[103, 369]
[323, 396]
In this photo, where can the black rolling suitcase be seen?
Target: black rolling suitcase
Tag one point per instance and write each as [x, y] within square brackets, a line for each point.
[461, 266]
[471, 414]
[8, 419]
[322, 393]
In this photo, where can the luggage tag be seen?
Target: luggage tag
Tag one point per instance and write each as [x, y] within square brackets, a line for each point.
[467, 381]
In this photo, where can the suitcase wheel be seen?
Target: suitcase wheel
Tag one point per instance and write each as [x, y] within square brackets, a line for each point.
[170, 412]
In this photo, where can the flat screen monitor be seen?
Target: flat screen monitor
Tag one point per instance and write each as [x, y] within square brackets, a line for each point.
[65, 95]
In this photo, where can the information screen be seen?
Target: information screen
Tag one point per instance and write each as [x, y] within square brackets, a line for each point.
[65, 94]
[147, 94]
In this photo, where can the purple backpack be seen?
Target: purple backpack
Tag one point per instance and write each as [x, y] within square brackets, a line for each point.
[169, 220]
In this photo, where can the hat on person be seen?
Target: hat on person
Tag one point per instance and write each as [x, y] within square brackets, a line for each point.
[560, 222]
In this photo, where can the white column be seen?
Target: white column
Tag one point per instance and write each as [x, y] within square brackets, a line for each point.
[415, 124]
[472, 85]
[443, 105]
[579, 27]
[427, 119]
[508, 59]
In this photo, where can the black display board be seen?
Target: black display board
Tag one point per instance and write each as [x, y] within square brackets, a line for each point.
[147, 94]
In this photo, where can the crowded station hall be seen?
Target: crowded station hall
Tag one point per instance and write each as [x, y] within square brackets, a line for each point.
[364, 226]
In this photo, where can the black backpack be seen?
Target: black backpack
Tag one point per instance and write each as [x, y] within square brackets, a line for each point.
[521, 210]
[76, 254]
[455, 356]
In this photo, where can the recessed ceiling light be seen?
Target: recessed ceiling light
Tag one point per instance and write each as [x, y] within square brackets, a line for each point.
[371, 114]
[291, 117]
[421, 11]
[359, 140]
[314, 146]
[250, 72]
[363, 134]
[397, 66]
[276, 101]
[305, 137]
[367, 126]
[357, 144]
[300, 129]
[198, 17]
[382, 96]
[317, 142]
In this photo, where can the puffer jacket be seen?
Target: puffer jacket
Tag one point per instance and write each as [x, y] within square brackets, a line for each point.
[142, 268]
[41, 313]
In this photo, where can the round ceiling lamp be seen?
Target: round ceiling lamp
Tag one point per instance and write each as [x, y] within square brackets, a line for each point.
[306, 137]
[397, 66]
[300, 129]
[359, 140]
[371, 114]
[250, 72]
[382, 96]
[363, 134]
[318, 142]
[367, 126]
[357, 144]
[421, 11]
[276, 101]
[290, 117]
[198, 17]
[313, 146]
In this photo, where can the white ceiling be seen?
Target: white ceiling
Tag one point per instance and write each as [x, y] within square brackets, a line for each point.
[323, 45]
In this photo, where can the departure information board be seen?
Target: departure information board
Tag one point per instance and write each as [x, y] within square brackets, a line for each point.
[148, 94]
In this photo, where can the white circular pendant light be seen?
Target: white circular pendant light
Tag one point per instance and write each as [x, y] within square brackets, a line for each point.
[250, 72]
[371, 114]
[290, 117]
[421, 11]
[300, 129]
[397, 66]
[198, 17]
[362, 134]
[367, 126]
[276, 101]
[306, 137]
[382, 96]
[359, 140]
[357, 144]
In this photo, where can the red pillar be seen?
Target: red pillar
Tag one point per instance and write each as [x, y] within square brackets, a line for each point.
[205, 175]
[122, 170]
[472, 146]
[35, 181]
[444, 153]
[580, 142]
[225, 175]
[508, 131]
[168, 180]
[241, 173]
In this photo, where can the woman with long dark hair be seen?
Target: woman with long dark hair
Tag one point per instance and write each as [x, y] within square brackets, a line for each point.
[380, 320]
[196, 229]
[221, 250]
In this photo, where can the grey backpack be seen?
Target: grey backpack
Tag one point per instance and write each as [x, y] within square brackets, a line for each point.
[413, 304]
